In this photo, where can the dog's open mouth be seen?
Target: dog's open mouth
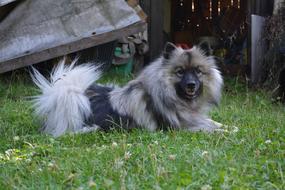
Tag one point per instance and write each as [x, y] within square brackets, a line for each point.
[191, 93]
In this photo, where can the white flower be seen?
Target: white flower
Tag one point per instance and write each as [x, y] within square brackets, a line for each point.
[206, 187]
[129, 145]
[28, 160]
[9, 152]
[91, 183]
[114, 144]
[235, 130]
[18, 158]
[172, 157]
[16, 138]
[118, 163]
[127, 155]
[268, 141]
[50, 164]
[205, 153]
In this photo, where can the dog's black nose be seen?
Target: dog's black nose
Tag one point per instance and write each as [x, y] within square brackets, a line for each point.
[191, 85]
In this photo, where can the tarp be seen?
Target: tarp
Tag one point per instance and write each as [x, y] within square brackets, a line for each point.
[37, 25]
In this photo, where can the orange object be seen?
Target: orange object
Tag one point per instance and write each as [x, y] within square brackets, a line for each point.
[135, 5]
[183, 46]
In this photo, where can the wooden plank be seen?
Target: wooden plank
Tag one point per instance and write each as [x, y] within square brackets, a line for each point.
[5, 2]
[5, 9]
[145, 4]
[156, 28]
[36, 57]
[154, 10]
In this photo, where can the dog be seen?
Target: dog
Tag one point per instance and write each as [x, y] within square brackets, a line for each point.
[176, 91]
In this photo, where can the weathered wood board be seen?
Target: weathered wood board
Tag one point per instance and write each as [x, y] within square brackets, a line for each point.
[5, 2]
[40, 30]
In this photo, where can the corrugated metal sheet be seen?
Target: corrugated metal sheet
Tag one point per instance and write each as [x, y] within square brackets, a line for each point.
[37, 25]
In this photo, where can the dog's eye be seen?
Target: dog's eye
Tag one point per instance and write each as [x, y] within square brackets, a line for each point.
[179, 71]
[198, 70]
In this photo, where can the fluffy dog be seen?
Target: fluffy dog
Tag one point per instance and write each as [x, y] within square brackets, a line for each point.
[175, 91]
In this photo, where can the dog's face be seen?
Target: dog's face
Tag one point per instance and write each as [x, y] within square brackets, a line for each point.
[189, 84]
[188, 70]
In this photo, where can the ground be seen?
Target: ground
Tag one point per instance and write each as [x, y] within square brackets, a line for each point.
[251, 155]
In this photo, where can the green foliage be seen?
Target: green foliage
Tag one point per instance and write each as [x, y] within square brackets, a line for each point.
[272, 60]
[250, 155]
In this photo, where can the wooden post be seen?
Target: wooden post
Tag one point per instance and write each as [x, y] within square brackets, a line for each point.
[154, 10]
[262, 8]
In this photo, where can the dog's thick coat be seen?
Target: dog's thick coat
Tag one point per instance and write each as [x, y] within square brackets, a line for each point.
[174, 91]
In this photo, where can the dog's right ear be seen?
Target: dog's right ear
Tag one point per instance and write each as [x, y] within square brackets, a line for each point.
[169, 48]
[205, 47]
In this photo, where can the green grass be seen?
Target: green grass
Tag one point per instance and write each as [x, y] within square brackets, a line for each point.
[252, 157]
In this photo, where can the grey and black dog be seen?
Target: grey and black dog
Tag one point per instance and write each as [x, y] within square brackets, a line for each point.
[175, 91]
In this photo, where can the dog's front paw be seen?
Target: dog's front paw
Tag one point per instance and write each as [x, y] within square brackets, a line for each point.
[206, 126]
[219, 127]
[216, 124]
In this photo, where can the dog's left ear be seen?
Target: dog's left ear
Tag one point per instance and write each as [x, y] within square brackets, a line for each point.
[169, 48]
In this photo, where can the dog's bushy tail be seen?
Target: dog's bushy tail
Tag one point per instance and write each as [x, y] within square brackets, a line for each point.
[63, 104]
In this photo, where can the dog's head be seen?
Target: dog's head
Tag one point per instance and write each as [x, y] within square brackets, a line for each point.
[192, 73]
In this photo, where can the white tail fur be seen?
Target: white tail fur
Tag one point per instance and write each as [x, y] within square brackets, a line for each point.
[63, 104]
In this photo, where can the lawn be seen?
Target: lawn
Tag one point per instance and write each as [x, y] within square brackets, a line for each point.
[250, 155]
